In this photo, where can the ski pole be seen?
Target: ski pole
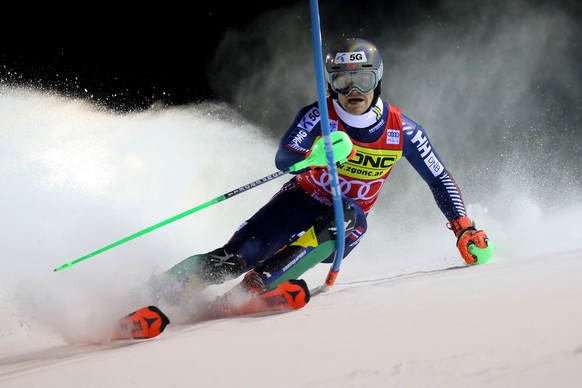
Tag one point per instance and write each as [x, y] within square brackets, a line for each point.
[335, 188]
[342, 147]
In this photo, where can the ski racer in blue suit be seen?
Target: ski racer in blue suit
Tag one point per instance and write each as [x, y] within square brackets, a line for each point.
[271, 246]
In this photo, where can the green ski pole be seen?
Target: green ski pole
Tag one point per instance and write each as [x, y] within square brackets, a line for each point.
[342, 147]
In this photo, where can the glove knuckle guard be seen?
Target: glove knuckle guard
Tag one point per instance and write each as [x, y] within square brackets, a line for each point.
[467, 235]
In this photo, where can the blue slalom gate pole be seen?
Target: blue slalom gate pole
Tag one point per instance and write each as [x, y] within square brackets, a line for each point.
[321, 97]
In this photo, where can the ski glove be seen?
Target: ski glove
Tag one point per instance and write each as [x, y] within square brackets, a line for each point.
[472, 243]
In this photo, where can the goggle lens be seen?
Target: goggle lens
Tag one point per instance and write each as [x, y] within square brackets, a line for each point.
[344, 83]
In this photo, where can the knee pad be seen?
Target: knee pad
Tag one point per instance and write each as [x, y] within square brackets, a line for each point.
[221, 265]
[214, 267]
[328, 220]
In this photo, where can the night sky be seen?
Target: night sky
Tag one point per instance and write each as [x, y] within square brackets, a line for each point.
[128, 58]
[123, 58]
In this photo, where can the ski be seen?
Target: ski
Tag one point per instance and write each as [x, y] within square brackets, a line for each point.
[289, 295]
[149, 322]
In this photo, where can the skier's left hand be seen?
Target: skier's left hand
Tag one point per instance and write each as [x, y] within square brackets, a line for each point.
[473, 244]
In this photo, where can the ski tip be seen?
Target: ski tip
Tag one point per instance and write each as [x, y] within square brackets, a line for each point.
[292, 294]
[147, 322]
[163, 317]
[303, 285]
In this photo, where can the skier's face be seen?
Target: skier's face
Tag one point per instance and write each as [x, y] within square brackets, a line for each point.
[355, 102]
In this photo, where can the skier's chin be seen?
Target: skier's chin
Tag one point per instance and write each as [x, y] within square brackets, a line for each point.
[356, 106]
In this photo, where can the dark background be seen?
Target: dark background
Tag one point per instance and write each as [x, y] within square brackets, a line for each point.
[126, 59]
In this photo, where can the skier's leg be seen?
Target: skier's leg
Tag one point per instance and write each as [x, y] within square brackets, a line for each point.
[316, 245]
[276, 224]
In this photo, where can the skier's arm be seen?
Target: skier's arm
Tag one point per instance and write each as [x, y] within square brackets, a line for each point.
[424, 158]
[299, 138]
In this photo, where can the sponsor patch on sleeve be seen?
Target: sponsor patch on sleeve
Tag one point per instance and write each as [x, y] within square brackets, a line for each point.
[433, 164]
[310, 119]
[296, 140]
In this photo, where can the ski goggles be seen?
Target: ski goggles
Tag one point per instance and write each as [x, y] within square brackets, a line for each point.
[363, 80]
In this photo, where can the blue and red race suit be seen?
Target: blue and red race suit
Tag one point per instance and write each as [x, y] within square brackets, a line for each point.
[381, 137]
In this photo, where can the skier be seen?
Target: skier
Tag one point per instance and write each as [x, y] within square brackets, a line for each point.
[270, 247]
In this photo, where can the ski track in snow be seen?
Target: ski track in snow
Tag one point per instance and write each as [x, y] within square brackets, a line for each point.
[504, 324]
